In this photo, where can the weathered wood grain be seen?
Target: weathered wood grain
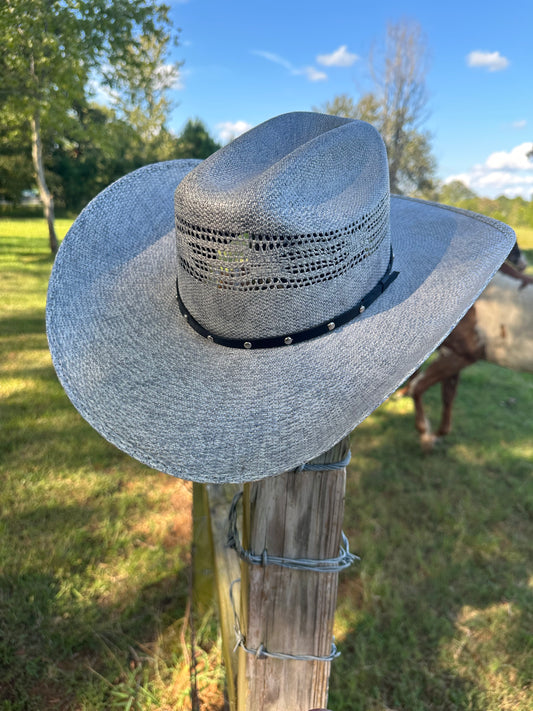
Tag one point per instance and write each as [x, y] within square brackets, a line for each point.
[296, 515]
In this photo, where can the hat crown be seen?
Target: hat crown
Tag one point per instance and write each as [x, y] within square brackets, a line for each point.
[285, 227]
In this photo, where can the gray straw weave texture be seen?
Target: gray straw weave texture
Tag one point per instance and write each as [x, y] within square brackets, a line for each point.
[147, 382]
[263, 235]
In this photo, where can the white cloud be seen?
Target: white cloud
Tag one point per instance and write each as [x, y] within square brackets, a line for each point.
[493, 61]
[515, 159]
[311, 73]
[273, 58]
[503, 173]
[228, 130]
[522, 123]
[339, 58]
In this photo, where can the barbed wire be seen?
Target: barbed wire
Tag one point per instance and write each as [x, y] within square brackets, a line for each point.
[325, 565]
[262, 653]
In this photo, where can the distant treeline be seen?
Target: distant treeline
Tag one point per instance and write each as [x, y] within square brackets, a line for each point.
[514, 211]
[99, 148]
[95, 149]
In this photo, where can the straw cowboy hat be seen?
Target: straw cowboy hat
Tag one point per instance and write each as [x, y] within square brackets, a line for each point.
[306, 294]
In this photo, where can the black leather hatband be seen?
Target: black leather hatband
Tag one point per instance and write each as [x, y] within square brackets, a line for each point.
[300, 336]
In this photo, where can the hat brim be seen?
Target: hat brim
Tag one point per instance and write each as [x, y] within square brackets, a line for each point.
[157, 390]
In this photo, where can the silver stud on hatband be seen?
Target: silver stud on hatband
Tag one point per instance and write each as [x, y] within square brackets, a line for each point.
[247, 344]
[331, 326]
[287, 341]
[361, 309]
[210, 338]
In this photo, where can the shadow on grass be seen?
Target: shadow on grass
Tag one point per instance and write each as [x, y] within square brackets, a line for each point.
[68, 612]
[36, 258]
[24, 260]
[17, 326]
[92, 568]
[55, 649]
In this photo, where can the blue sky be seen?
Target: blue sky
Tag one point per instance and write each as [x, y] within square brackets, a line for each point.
[245, 62]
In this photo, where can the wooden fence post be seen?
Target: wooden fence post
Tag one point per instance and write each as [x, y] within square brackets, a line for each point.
[295, 515]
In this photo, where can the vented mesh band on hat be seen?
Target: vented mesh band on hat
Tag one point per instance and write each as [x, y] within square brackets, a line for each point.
[254, 262]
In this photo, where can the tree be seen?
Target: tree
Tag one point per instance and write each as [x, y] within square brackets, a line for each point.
[455, 192]
[16, 172]
[139, 82]
[99, 146]
[397, 107]
[51, 49]
[95, 149]
[195, 141]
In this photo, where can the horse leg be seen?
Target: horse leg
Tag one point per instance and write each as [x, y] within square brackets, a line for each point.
[449, 390]
[417, 386]
[447, 365]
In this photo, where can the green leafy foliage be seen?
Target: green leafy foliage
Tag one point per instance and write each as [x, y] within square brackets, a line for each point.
[51, 49]
[195, 141]
[53, 53]
[515, 211]
[96, 148]
[101, 148]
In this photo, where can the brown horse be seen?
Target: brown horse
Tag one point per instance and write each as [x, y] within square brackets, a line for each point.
[492, 330]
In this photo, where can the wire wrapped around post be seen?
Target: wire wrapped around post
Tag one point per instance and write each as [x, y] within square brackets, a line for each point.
[327, 565]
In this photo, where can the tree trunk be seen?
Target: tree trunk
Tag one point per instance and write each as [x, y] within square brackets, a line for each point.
[44, 193]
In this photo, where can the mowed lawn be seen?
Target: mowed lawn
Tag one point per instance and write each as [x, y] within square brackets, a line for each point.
[95, 547]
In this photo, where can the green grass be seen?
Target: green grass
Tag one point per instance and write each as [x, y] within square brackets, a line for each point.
[439, 616]
[94, 547]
